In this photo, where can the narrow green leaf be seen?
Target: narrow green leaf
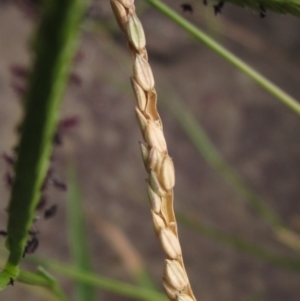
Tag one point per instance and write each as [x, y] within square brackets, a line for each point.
[266, 84]
[107, 284]
[44, 279]
[77, 236]
[54, 48]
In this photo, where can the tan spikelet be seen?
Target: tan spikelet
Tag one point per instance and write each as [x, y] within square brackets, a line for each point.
[158, 163]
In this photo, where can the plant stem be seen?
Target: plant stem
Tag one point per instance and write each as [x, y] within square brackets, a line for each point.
[281, 95]
[107, 284]
[54, 48]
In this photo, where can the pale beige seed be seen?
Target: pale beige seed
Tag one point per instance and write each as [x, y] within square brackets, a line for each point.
[167, 173]
[158, 222]
[155, 184]
[170, 243]
[139, 94]
[170, 291]
[144, 152]
[155, 199]
[135, 32]
[183, 297]
[155, 159]
[127, 3]
[154, 136]
[120, 14]
[143, 122]
[143, 73]
[175, 275]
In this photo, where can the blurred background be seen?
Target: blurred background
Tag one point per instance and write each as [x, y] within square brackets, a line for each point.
[252, 130]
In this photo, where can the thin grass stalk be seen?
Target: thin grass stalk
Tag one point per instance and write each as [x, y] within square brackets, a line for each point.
[194, 31]
[54, 48]
[44, 279]
[154, 151]
[105, 283]
[78, 241]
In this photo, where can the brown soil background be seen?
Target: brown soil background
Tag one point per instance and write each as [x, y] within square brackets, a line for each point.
[256, 133]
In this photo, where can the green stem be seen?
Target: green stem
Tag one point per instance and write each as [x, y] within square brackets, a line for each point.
[108, 284]
[55, 46]
[281, 95]
[78, 241]
[44, 279]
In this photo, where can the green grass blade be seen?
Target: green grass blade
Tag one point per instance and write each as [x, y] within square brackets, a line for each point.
[266, 84]
[44, 279]
[54, 48]
[77, 236]
[107, 284]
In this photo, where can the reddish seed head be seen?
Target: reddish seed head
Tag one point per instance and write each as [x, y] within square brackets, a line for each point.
[59, 184]
[3, 233]
[19, 71]
[69, 122]
[8, 179]
[8, 159]
[19, 89]
[75, 79]
[50, 212]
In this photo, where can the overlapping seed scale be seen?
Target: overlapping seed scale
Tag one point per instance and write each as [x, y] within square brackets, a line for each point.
[143, 73]
[158, 222]
[135, 32]
[127, 3]
[120, 14]
[170, 291]
[183, 297]
[155, 184]
[155, 200]
[167, 173]
[175, 275]
[154, 136]
[139, 94]
[170, 243]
